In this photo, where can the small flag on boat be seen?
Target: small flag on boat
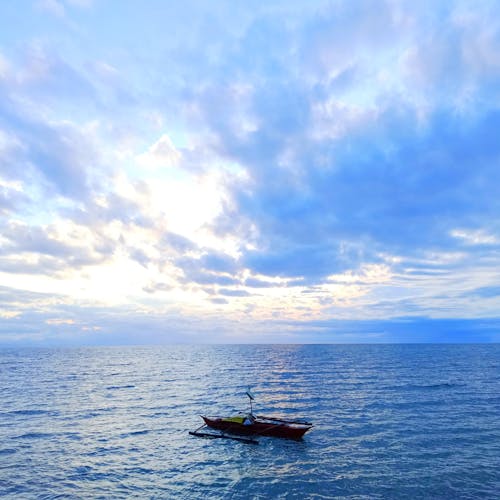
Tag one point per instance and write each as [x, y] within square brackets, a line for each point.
[250, 395]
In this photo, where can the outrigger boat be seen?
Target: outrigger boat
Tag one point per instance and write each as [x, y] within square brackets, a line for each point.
[247, 424]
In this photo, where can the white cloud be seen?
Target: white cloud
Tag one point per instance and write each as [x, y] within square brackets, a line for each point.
[59, 321]
[161, 154]
[475, 237]
[9, 314]
[54, 7]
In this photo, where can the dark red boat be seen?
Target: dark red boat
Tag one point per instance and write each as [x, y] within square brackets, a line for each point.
[247, 424]
[259, 426]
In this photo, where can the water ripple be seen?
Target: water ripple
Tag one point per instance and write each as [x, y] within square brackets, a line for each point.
[390, 422]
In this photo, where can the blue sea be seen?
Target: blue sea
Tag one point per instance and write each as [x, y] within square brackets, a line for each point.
[391, 421]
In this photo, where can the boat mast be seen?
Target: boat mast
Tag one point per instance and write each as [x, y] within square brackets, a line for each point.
[251, 398]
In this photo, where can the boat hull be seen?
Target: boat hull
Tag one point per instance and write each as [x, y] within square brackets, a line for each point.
[261, 428]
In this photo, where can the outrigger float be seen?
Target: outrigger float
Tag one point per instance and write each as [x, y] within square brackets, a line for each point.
[247, 424]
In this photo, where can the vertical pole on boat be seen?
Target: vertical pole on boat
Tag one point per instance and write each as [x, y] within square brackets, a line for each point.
[251, 398]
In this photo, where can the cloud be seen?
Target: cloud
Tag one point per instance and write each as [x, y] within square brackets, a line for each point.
[37, 250]
[388, 180]
[228, 292]
[194, 274]
[11, 197]
[45, 319]
[367, 199]
[161, 154]
[306, 161]
[403, 330]
[55, 156]
[58, 8]
[178, 243]
[259, 283]
[52, 6]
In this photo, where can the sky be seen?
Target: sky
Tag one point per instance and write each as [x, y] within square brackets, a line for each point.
[247, 171]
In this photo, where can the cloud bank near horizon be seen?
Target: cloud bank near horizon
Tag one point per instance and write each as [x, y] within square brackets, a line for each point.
[186, 169]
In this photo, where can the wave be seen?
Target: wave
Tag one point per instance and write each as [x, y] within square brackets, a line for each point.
[385, 426]
[135, 433]
[29, 412]
[420, 387]
[36, 435]
[7, 451]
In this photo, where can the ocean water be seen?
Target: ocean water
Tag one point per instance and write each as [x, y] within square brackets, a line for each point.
[391, 421]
